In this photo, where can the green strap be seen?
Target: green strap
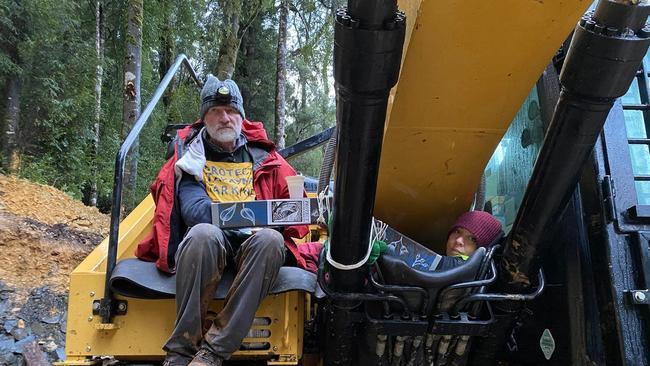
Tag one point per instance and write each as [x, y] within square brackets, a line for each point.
[378, 248]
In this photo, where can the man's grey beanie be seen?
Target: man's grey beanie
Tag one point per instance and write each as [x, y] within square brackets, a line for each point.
[215, 93]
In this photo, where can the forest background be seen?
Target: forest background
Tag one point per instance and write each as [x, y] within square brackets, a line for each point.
[74, 76]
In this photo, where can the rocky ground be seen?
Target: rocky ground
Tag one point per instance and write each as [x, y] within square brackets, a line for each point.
[44, 234]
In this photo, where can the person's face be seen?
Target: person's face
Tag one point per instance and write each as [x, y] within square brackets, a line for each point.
[223, 124]
[461, 241]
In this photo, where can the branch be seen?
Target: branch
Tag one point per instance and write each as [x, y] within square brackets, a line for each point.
[245, 28]
[331, 6]
[310, 42]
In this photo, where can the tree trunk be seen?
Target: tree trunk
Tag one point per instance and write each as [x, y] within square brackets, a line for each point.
[131, 109]
[329, 47]
[167, 50]
[12, 123]
[230, 39]
[249, 46]
[13, 91]
[3, 123]
[303, 91]
[281, 75]
[99, 77]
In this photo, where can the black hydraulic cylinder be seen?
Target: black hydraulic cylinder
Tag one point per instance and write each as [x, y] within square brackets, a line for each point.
[607, 48]
[368, 40]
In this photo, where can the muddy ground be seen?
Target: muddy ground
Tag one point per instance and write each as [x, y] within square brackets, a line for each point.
[44, 235]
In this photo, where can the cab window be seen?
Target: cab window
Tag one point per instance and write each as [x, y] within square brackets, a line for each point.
[507, 173]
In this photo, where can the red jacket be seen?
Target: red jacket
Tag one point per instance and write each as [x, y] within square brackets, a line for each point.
[168, 227]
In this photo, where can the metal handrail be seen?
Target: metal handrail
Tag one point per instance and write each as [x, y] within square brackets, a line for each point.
[476, 283]
[106, 304]
[541, 285]
[394, 288]
[487, 261]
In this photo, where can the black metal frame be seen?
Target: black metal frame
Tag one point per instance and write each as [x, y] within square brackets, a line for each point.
[629, 215]
[307, 144]
[356, 297]
[455, 322]
[541, 284]
[465, 320]
[618, 248]
[108, 306]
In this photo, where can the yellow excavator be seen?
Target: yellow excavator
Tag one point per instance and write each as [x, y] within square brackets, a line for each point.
[537, 111]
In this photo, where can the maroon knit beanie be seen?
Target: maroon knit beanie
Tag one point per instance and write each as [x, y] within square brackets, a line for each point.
[482, 225]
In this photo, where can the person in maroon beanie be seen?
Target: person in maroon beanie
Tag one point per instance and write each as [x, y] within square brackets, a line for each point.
[472, 230]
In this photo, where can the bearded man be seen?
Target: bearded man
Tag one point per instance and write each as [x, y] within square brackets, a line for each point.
[223, 158]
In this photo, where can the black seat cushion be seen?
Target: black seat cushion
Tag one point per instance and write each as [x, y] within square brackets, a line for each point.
[139, 279]
[396, 271]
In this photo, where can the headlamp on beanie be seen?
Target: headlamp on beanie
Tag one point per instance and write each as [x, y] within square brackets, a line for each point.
[223, 95]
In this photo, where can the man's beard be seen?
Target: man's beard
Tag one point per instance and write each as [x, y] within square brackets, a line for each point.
[222, 135]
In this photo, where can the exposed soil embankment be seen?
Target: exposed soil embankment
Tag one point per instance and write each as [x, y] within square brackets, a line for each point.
[44, 235]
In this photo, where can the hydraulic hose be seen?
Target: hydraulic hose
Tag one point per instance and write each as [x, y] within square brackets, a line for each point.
[327, 166]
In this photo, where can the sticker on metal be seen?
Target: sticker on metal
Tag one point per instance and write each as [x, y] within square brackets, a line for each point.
[547, 344]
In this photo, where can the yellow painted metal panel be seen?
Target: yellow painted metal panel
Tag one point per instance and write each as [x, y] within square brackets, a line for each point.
[132, 229]
[141, 333]
[467, 69]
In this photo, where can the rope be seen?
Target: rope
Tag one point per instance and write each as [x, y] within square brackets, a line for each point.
[324, 204]
[380, 229]
[377, 231]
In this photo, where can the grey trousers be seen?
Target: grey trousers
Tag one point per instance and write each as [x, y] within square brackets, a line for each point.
[203, 255]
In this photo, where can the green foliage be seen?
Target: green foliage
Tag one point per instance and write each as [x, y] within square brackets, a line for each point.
[311, 108]
[57, 94]
[55, 45]
[255, 71]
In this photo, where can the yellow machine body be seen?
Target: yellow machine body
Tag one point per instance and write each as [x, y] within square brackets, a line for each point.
[141, 333]
[467, 67]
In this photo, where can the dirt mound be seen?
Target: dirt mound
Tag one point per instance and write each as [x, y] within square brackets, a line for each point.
[40, 254]
[44, 235]
[49, 205]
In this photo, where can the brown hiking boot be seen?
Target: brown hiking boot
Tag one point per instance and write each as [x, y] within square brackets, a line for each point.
[206, 358]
